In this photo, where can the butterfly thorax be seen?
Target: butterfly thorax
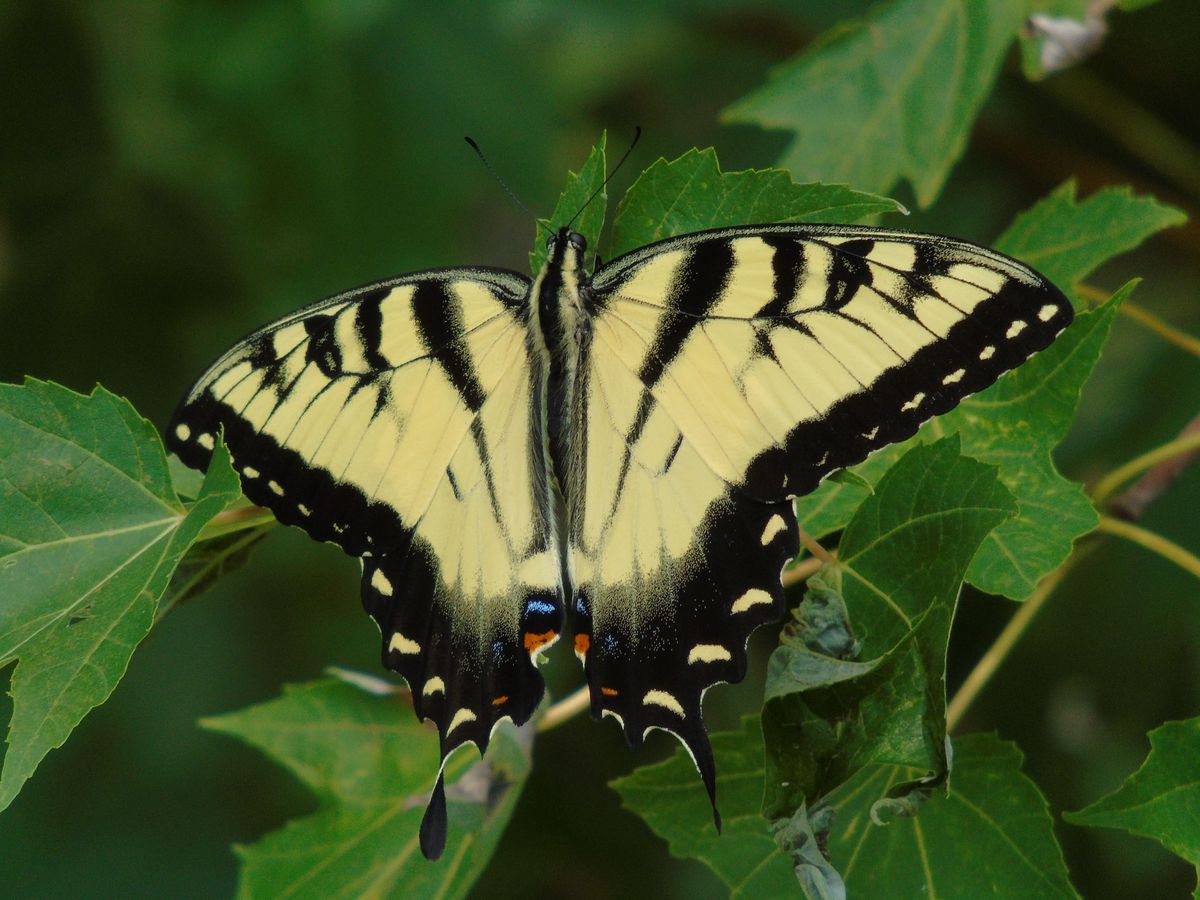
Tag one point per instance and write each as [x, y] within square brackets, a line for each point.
[560, 326]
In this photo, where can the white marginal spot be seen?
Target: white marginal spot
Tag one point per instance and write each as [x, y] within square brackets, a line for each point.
[870, 435]
[404, 644]
[663, 699]
[461, 717]
[433, 686]
[1015, 328]
[1046, 313]
[775, 524]
[752, 597]
[182, 432]
[609, 712]
[275, 487]
[250, 472]
[703, 653]
[380, 582]
[913, 403]
[987, 352]
[206, 441]
[954, 376]
[304, 510]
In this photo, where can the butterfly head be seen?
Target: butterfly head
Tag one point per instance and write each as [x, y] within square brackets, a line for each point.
[566, 249]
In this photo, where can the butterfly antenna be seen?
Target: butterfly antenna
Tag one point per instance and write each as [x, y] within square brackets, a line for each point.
[500, 181]
[637, 136]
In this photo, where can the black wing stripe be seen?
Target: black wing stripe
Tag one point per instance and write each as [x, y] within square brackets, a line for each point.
[438, 314]
[697, 287]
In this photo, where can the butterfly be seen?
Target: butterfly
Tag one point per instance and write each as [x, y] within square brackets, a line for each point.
[611, 456]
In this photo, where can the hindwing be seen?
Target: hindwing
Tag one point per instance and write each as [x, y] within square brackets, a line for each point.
[726, 372]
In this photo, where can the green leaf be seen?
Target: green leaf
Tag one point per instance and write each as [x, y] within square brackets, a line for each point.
[691, 193]
[580, 187]
[991, 836]
[1067, 239]
[890, 96]
[372, 764]
[671, 800]
[1161, 800]
[90, 532]
[827, 715]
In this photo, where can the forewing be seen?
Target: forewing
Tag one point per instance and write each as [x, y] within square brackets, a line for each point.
[397, 422]
[728, 372]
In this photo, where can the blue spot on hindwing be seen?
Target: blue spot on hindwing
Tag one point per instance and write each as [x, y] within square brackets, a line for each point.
[538, 607]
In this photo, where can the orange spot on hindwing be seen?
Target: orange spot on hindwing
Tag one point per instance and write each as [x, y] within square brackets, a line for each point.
[535, 642]
[582, 643]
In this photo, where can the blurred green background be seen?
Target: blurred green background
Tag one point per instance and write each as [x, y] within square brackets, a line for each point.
[174, 174]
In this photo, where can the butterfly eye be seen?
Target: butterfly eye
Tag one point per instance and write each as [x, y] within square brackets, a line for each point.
[578, 241]
[550, 243]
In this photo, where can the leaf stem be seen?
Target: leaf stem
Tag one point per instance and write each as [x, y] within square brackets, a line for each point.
[1002, 646]
[802, 571]
[810, 543]
[1187, 443]
[1167, 332]
[564, 709]
[1155, 543]
[1145, 318]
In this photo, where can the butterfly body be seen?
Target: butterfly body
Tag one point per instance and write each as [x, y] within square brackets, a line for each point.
[612, 457]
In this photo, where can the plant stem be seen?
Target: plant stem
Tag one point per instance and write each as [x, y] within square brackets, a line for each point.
[564, 709]
[810, 543]
[802, 571]
[1145, 318]
[1155, 543]
[1162, 329]
[1107, 485]
[1002, 646]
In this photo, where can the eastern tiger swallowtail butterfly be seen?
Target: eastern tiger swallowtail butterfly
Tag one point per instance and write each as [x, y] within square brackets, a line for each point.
[612, 455]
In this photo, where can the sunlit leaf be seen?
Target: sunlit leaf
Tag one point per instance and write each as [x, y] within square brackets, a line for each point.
[991, 836]
[90, 532]
[587, 221]
[372, 765]
[890, 96]
[691, 193]
[1066, 239]
[670, 798]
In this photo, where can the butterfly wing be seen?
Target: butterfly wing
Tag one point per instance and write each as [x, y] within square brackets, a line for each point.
[396, 421]
[727, 372]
